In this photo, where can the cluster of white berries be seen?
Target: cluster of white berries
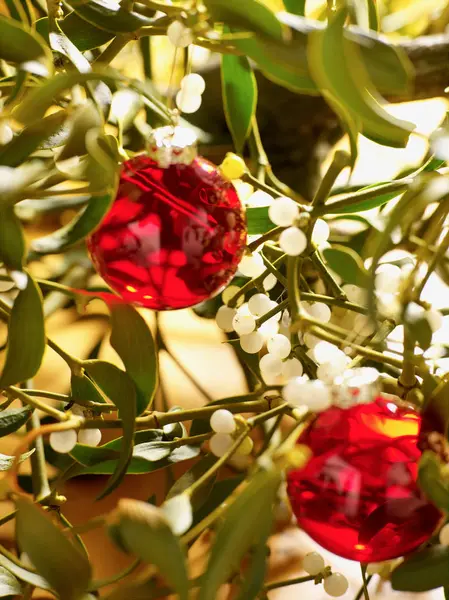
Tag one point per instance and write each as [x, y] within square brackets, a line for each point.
[189, 97]
[334, 584]
[64, 441]
[223, 424]
[180, 35]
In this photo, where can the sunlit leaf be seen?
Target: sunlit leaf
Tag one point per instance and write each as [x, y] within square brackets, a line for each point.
[346, 263]
[51, 552]
[109, 15]
[81, 33]
[26, 336]
[9, 585]
[59, 42]
[20, 45]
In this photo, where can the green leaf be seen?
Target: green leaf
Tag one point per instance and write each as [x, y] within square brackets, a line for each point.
[120, 389]
[26, 336]
[365, 14]
[54, 556]
[21, 45]
[131, 338]
[431, 481]
[23, 574]
[152, 451]
[59, 42]
[31, 138]
[81, 33]
[12, 243]
[12, 419]
[6, 462]
[201, 494]
[245, 522]
[254, 575]
[84, 118]
[109, 15]
[39, 100]
[421, 331]
[424, 570]
[220, 491]
[257, 220]
[337, 68]
[296, 7]
[239, 89]
[143, 530]
[250, 15]
[346, 263]
[9, 585]
[82, 388]
[81, 225]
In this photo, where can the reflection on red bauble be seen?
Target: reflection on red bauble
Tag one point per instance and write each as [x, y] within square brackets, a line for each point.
[173, 237]
[358, 496]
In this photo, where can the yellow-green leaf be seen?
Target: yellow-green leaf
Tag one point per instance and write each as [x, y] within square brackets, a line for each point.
[346, 263]
[55, 557]
[12, 243]
[109, 15]
[21, 45]
[26, 336]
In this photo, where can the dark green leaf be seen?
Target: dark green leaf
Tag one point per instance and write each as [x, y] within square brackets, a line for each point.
[254, 575]
[54, 556]
[16, 11]
[120, 389]
[201, 494]
[424, 570]
[12, 243]
[31, 138]
[239, 89]
[131, 338]
[142, 529]
[337, 68]
[251, 15]
[26, 336]
[245, 522]
[6, 462]
[82, 388]
[81, 33]
[421, 331]
[152, 451]
[109, 15]
[9, 586]
[346, 263]
[219, 493]
[13, 419]
[20, 45]
[431, 480]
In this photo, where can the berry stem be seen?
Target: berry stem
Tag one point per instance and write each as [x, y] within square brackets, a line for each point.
[280, 584]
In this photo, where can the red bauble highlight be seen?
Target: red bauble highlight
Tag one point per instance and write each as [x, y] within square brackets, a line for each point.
[358, 496]
[173, 237]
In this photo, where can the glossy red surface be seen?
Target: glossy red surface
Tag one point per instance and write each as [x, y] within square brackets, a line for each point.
[357, 496]
[173, 237]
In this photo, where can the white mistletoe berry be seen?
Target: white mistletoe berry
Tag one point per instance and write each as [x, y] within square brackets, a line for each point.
[313, 563]
[269, 282]
[179, 35]
[320, 233]
[283, 211]
[89, 437]
[220, 443]
[224, 318]
[252, 343]
[63, 441]
[335, 585]
[293, 241]
[270, 366]
[243, 324]
[188, 103]
[259, 304]
[252, 265]
[279, 346]
[193, 84]
[292, 368]
[222, 421]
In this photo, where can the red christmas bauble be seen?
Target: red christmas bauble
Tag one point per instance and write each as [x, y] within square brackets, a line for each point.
[173, 237]
[358, 496]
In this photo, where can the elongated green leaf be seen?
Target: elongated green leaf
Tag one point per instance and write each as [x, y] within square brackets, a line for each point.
[26, 336]
[81, 226]
[20, 45]
[81, 33]
[346, 263]
[37, 102]
[296, 7]
[143, 530]
[23, 574]
[120, 389]
[54, 556]
[6, 462]
[17, 11]
[431, 480]
[251, 15]
[424, 570]
[59, 42]
[131, 338]
[245, 522]
[337, 68]
[109, 15]
[254, 576]
[12, 243]
[239, 89]
[9, 585]
[257, 220]
[12, 419]
[31, 138]
[152, 451]
[183, 483]
[220, 491]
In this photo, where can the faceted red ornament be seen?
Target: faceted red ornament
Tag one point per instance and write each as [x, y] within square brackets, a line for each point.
[173, 237]
[357, 496]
